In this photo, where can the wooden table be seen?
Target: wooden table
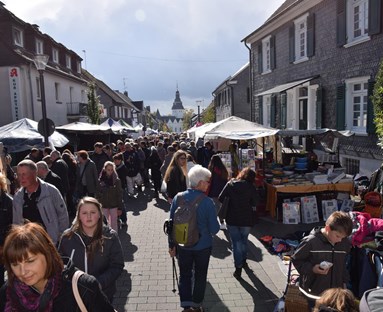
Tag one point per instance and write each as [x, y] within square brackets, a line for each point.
[272, 192]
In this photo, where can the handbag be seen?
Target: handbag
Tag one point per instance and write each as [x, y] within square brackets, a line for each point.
[76, 293]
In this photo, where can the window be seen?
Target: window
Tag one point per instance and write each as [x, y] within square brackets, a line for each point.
[18, 37]
[38, 88]
[356, 104]
[68, 61]
[71, 94]
[357, 20]
[266, 110]
[79, 67]
[266, 61]
[57, 92]
[39, 46]
[55, 55]
[359, 105]
[301, 38]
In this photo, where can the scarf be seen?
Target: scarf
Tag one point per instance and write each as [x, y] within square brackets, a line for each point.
[23, 298]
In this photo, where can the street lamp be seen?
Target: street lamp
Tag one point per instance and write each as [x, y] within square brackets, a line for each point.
[41, 61]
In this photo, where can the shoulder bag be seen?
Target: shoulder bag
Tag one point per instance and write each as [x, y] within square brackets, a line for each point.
[76, 293]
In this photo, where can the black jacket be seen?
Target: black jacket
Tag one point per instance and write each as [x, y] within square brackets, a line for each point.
[243, 197]
[89, 289]
[106, 266]
[60, 168]
[314, 249]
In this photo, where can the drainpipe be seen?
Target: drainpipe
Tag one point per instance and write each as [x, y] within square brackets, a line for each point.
[250, 80]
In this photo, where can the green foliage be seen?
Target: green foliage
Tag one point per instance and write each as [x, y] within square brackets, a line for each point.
[186, 122]
[208, 114]
[93, 105]
[377, 100]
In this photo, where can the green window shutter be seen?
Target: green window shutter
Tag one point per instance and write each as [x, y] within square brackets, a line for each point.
[318, 108]
[341, 107]
[292, 43]
[260, 61]
[341, 23]
[260, 110]
[272, 53]
[370, 108]
[374, 16]
[273, 110]
[311, 35]
[283, 110]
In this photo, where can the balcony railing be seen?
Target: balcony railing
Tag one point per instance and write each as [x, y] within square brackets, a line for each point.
[77, 109]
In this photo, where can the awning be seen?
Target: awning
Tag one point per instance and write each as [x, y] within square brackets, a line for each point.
[285, 86]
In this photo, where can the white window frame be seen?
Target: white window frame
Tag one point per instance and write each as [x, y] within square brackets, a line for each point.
[39, 46]
[266, 55]
[79, 67]
[300, 28]
[266, 102]
[68, 61]
[55, 55]
[362, 22]
[350, 94]
[18, 36]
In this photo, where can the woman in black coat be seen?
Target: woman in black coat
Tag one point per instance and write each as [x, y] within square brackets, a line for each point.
[239, 217]
[175, 175]
[37, 280]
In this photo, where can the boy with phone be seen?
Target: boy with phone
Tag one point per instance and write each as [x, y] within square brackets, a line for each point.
[321, 256]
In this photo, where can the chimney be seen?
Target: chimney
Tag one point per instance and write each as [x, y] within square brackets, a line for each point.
[126, 93]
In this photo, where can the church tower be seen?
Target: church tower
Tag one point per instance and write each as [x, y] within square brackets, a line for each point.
[177, 108]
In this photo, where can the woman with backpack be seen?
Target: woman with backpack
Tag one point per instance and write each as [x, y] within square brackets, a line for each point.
[194, 257]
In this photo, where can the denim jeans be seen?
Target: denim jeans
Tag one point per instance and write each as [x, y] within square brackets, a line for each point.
[189, 261]
[238, 236]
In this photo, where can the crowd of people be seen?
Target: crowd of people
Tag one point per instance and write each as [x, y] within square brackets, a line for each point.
[61, 212]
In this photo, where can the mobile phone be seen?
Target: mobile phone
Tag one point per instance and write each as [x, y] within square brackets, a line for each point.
[324, 265]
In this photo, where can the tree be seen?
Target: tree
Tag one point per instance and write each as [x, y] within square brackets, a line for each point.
[186, 121]
[377, 100]
[93, 104]
[208, 115]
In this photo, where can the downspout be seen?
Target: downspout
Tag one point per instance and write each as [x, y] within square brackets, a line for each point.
[31, 91]
[250, 80]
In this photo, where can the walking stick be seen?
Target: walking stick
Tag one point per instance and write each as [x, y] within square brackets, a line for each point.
[176, 275]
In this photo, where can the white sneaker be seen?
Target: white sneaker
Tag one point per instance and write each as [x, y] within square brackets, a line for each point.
[223, 226]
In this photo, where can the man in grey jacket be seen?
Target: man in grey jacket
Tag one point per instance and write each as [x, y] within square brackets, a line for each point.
[39, 202]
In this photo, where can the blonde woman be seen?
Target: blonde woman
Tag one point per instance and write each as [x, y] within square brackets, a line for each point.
[94, 247]
[175, 175]
[109, 193]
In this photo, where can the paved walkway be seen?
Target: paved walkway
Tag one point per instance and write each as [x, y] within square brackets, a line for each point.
[147, 281]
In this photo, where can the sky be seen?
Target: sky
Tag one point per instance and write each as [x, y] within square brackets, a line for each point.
[150, 47]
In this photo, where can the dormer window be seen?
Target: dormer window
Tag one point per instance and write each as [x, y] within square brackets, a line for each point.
[79, 67]
[18, 37]
[68, 61]
[39, 46]
[55, 55]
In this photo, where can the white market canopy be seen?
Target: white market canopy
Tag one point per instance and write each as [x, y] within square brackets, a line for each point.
[235, 128]
[22, 135]
[115, 126]
[84, 127]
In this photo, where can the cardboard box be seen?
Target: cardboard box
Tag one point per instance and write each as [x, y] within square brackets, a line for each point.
[309, 209]
[291, 213]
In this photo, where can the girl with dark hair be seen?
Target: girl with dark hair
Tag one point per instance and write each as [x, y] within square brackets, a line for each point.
[239, 217]
[37, 278]
[94, 247]
[219, 177]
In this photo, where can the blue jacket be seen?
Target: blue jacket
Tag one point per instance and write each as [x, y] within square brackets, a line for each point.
[206, 219]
